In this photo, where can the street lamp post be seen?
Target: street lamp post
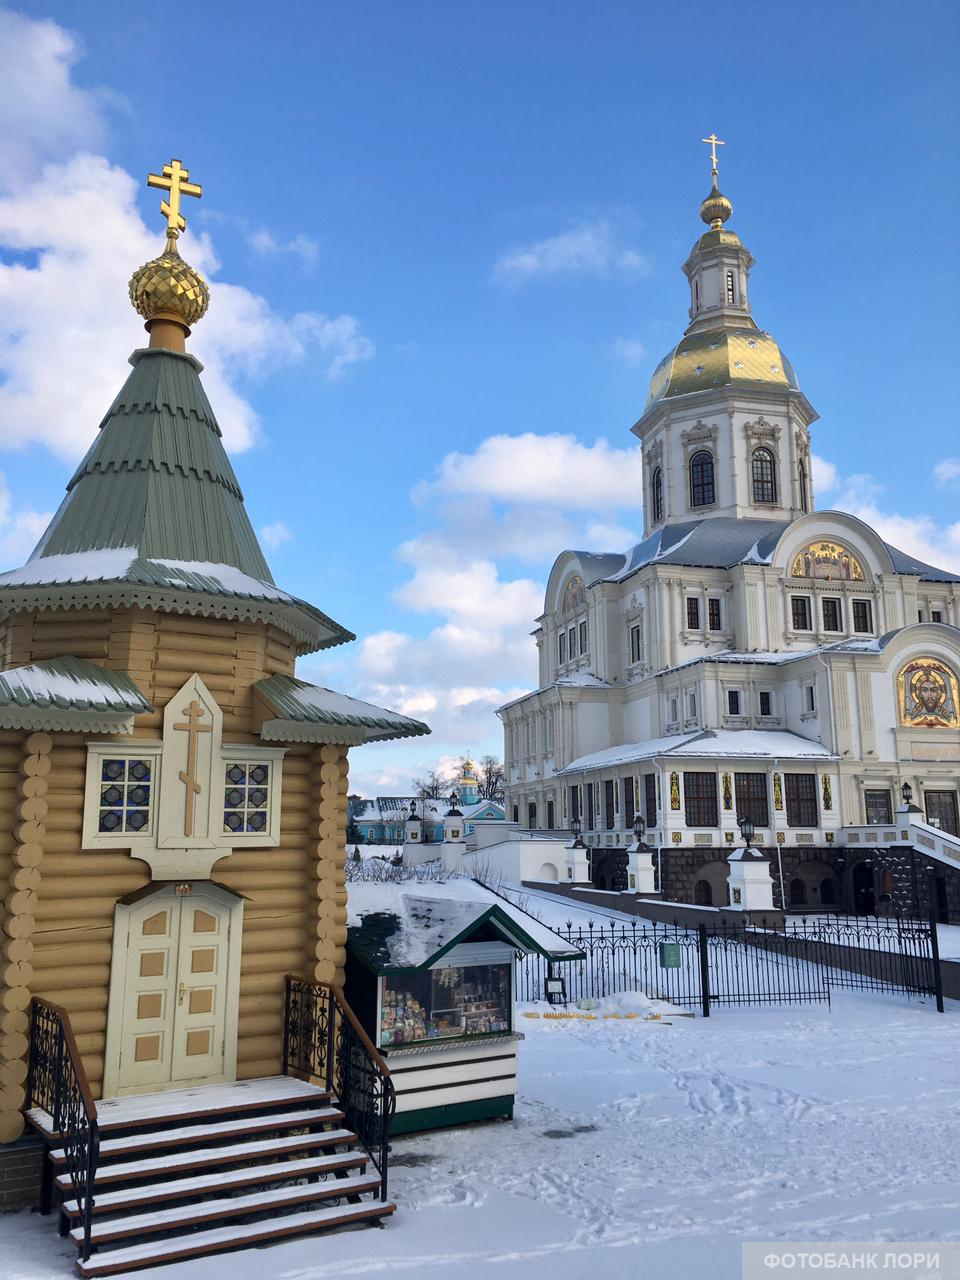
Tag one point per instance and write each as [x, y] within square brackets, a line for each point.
[576, 826]
[639, 831]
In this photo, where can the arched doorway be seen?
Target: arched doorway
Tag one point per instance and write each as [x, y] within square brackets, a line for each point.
[828, 892]
[864, 898]
[798, 893]
[714, 875]
[703, 894]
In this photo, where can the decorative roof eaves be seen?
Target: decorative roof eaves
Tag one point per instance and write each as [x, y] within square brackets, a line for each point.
[292, 618]
[57, 720]
[347, 735]
[762, 390]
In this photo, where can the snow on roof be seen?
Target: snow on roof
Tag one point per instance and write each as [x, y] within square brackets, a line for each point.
[71, 683]
[295, 701]
[429, 915]
[74, 566]
[738, 743]
[584, 680]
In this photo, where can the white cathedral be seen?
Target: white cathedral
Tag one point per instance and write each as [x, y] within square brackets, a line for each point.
[751, 656]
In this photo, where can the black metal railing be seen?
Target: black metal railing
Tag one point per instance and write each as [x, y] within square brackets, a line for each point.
[322, 1039]
[728, 963]
[57, 1083]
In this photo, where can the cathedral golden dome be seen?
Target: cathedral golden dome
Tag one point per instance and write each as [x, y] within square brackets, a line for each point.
[716, 209]
[721, 358]
[167, 288]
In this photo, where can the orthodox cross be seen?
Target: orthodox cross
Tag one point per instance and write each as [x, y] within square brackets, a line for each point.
[188, 776]
[713, 141]
[175, 179]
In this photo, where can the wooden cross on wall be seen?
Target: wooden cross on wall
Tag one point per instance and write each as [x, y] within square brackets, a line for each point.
[188, 776]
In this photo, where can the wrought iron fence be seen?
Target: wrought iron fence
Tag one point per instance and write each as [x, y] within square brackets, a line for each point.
[57, 1083]
[323, 1039]
[728, 963]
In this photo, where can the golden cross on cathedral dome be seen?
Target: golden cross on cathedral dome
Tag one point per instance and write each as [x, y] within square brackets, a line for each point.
[713, 142]
[175, 179]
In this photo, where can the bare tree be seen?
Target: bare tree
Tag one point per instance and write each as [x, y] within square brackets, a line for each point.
[434, 785]
[490, 778]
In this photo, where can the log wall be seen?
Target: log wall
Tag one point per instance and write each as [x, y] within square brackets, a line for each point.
[57, 900]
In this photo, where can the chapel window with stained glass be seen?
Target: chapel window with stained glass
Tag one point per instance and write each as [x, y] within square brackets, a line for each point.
[126, 785]
[246, 797]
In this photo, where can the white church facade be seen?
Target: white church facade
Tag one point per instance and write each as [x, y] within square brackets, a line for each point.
[751, 656]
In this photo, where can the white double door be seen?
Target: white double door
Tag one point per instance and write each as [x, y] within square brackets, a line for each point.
[173, 1005]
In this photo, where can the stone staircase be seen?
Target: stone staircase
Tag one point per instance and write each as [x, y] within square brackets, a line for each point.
[220, 1167]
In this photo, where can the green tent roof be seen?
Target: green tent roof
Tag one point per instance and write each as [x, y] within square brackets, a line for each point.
[157, 477]
[154, 517]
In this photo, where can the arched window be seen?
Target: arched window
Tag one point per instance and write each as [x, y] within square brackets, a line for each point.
[804, 501]
[764, 476]
[702, 492]
[656, 492]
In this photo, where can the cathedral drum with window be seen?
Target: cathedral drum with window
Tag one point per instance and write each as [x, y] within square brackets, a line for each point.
[173, 800]
[751, 657]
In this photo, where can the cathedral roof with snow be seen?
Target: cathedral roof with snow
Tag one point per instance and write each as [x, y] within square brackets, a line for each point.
[719, 542]
[744, 744]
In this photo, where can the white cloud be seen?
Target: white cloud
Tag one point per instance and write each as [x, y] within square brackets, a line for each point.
[603, 535]
[917, 535]
[589, 250]
[556, 470]
[266, 244]
[825, 474]
[44, 115]
[73, 236]
[947, 471]
[20, 531]
[629, 350]
[276, 534]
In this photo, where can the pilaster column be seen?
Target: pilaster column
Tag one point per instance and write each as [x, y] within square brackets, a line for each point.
[327, 910]
[19, 906]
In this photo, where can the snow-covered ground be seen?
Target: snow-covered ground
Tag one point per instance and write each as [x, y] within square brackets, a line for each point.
[646, 1149]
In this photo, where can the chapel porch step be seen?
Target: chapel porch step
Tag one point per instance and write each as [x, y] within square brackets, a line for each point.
[209, 1157]
[221, 1239]
[271, 1201]
[192, 1134]
[240, 1097]
[221, 1180]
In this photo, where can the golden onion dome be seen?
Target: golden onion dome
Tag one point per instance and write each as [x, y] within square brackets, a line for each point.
[716, 209]
[167, 288]
[721, 358]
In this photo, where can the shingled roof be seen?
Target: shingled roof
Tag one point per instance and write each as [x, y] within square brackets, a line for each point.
[69, 693]
[154, 516]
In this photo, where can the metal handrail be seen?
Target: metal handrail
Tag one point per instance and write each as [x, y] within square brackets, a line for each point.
[57, 1082]
[323, 1038]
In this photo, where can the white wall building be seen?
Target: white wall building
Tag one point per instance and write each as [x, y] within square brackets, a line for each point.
[751, 656]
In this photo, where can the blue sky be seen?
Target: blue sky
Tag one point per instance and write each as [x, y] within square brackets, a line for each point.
[444, 243]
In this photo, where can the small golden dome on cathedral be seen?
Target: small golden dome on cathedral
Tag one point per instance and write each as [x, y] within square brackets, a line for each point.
[167, 288]
[716, 209]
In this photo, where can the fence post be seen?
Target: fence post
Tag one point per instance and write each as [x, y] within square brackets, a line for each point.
[935, 959]
[704, 969]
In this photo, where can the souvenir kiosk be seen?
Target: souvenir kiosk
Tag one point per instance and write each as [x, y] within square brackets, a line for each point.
[431, 974]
